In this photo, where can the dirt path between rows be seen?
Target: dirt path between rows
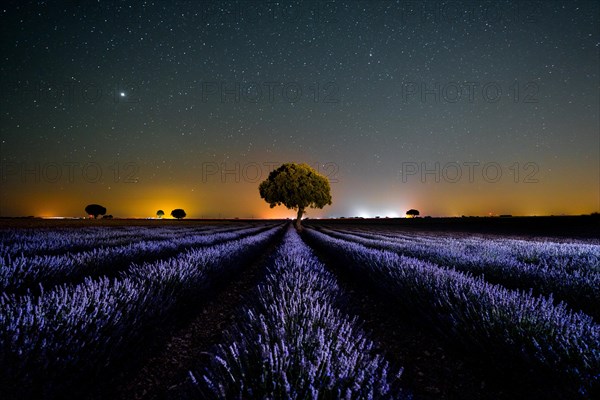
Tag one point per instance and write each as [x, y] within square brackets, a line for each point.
[431, 369]
[188, 347]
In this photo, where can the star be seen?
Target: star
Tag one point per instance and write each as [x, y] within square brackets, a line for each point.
[236, 86]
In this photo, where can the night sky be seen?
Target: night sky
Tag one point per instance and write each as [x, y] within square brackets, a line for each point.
[452, 108]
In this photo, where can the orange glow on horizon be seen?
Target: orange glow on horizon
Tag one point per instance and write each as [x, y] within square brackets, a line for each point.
[243, 201]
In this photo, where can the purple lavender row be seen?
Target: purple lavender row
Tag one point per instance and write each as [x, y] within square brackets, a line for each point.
[509, 325]
[27, 242]
[60, 241]
[72, 336]
[576, 285]
[574, 258]
[566, 256]
[21, 273]
[294, 344]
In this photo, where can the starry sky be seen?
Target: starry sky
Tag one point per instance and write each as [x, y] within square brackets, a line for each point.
[452, 108]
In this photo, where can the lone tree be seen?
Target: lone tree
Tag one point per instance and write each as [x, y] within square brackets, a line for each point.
[178, 213]
[296, 186]
[412, 213]
[95, 210]
[160, 213]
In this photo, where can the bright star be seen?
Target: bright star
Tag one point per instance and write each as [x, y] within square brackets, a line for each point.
[122, 94]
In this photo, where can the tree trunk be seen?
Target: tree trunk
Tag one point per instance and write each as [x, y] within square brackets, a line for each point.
[298, 219]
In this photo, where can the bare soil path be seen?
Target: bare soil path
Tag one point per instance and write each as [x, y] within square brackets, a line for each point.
[187, 345]
[434, 368]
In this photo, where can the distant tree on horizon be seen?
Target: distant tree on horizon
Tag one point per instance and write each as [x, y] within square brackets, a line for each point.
[178, 213]
[296, 186]
[160, 213]
[412, 213]
[95, 210]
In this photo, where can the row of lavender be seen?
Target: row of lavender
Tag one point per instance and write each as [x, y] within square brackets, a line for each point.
[68, 336]
[568, 272]
[19, 274]
[512, 328]
[39, 242]
[293, 343]
[572, 255]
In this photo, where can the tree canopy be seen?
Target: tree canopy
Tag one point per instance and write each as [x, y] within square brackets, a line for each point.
[160, 213]
[412, 212]
[95, 210]
[178, 213]
[296, 186]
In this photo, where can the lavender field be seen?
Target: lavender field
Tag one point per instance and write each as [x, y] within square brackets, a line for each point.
[244, 310]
